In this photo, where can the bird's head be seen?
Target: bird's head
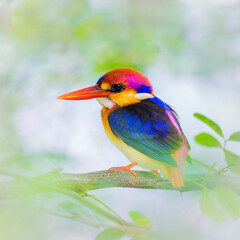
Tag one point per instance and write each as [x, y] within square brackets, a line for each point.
[122, 86]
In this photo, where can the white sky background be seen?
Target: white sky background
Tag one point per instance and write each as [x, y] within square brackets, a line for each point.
[75, 128]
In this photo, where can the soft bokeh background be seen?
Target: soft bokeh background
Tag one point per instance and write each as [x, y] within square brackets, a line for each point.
[190, 51]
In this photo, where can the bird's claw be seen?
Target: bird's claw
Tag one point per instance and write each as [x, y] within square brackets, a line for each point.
[158, 173]
[127, 168]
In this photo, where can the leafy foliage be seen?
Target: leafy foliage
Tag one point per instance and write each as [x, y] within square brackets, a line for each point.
[207, 140]
[140, 219]
[137, 218]
[235, 137]
[233, 159]
[210, 123]
[220, 203]
[111, 234]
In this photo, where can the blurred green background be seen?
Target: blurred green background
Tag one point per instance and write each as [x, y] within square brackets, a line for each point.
[190, 51]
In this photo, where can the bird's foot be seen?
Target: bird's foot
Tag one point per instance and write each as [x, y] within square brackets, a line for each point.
[127, 168]
[158, 173]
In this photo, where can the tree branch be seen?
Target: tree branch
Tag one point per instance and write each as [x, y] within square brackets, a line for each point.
[81, 183]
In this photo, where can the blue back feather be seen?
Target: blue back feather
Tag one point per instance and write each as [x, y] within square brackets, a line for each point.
[146, 127]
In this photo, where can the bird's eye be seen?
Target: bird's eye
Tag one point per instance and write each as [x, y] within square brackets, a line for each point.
[117, 88]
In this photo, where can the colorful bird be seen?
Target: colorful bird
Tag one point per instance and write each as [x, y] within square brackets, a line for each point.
[142, 126]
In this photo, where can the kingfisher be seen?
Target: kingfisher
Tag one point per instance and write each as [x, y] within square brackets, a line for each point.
[143, 127]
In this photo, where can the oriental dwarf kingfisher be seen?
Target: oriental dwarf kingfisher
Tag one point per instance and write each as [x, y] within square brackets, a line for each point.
[143, 127]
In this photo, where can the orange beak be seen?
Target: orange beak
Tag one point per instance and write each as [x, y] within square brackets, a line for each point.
[86, 93]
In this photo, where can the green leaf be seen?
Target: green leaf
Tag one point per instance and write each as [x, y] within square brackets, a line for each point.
[140, 219]
[189, 159]
[210, 123]
[233, 158]
[211, 168]
[220, 203]
[111, 234]
[235, 137]
[69, 206]
[207, 140]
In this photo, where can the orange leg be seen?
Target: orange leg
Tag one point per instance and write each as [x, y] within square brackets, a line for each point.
[158, 173]
[127, 168]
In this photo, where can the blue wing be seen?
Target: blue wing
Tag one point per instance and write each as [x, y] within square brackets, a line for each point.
[146, 127]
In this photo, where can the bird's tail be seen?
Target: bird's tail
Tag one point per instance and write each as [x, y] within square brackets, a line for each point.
[176, 174]
[175, 177]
